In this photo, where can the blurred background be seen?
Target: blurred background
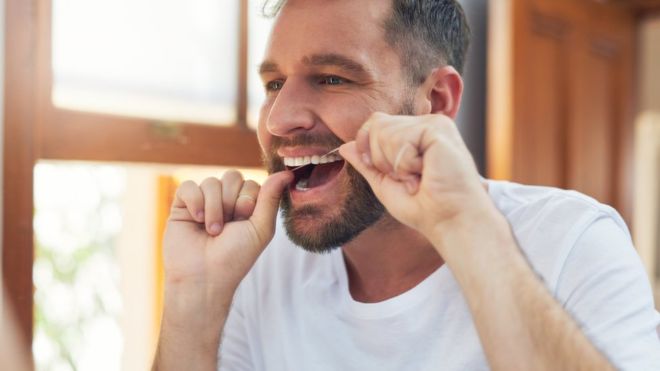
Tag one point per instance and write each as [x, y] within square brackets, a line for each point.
[108, 105]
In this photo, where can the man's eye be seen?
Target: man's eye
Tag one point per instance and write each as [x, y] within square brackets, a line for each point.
[274, 85]
[332, 80]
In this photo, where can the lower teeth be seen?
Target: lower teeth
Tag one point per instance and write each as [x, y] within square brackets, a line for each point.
[302, 185]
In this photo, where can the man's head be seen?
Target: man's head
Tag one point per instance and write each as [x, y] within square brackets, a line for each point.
[328, 66]
[425, 33]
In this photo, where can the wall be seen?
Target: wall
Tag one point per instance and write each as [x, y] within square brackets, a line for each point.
[472, 116]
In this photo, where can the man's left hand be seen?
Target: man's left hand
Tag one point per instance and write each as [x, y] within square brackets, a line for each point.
[419, 168]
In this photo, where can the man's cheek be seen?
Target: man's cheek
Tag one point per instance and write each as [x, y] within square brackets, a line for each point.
[264, 140]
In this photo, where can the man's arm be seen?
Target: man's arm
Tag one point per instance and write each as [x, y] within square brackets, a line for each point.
[189, 338]
[520, 324]
[603, 285]
[420, 169]
[215, 233]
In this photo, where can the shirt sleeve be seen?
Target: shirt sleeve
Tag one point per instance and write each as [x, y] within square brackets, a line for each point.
[234, 352]
[603, 285]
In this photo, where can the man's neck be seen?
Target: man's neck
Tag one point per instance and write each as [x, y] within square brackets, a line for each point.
[387, 260]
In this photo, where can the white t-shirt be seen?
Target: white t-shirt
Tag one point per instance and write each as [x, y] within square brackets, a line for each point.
[294, 312]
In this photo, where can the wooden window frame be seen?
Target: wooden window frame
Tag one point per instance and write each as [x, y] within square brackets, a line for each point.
[34, 129]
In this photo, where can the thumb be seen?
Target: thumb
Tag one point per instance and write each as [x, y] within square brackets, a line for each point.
[268, 202]
[350, 153]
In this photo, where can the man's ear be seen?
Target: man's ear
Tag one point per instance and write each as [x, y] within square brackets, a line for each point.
[443, 89]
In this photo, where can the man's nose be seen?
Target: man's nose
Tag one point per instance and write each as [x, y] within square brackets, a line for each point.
[292, 110]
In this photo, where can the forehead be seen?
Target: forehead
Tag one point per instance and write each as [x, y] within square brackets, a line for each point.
[352, 28]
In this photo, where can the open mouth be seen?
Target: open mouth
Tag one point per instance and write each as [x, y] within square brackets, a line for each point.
[313, 171]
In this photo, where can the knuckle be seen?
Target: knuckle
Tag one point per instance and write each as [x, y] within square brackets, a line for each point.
[385, 140]
[251, 186]
[373, 119]
[377, 115]
[433, 130]
[374, 141]
[381, 164]
[186, 187]
[187, 184]
[187, 190]
[210, 182]
[232, 175]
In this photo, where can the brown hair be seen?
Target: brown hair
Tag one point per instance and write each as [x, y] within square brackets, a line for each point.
[425, 33]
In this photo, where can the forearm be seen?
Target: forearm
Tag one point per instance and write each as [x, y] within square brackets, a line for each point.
[520, 324]
[190, 333]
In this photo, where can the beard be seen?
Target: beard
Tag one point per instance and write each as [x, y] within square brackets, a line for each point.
[359, 209]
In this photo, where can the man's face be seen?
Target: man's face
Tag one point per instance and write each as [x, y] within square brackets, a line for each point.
[327, 67]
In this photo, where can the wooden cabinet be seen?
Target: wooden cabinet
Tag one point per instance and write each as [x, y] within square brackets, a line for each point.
[561, 96]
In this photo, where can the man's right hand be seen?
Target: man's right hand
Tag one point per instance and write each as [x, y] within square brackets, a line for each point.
[215, 233]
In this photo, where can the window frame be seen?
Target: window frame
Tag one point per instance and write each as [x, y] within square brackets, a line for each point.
[34, 129]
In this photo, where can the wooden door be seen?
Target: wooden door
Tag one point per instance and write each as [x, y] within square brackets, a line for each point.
[560, 97]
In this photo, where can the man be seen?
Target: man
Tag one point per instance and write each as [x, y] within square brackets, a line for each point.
[425, 265]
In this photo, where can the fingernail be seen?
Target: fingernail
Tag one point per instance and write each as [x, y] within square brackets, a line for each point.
[366, 159]
[200, 216]
[410, 186]
[215, 229]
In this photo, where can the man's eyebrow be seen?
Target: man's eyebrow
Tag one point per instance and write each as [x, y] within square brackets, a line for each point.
[336, 60]
[321, 60]
[268, 66]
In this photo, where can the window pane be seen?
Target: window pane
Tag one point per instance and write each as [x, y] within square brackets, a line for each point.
[172, 60]
[76, 275]
[258, 36]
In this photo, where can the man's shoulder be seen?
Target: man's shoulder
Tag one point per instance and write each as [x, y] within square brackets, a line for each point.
[548, 222]
[530, 206]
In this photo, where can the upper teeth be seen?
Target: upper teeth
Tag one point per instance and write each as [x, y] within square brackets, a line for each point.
[306, 160]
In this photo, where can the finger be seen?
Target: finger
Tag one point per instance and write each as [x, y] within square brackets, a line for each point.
[408, 172]
[247, 200]
[407, 160]
[212, 189]
[232, 182]
[376, 151]
[362, 137]
[268, 201]
[412, 184]
[189, 197]
[362, 145]
[373, 176]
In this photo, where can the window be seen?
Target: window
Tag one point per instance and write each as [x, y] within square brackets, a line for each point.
[82, 103]
[163, 60]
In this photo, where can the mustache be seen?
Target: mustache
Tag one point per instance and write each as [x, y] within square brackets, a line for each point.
[274, 163]
[327, 140]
